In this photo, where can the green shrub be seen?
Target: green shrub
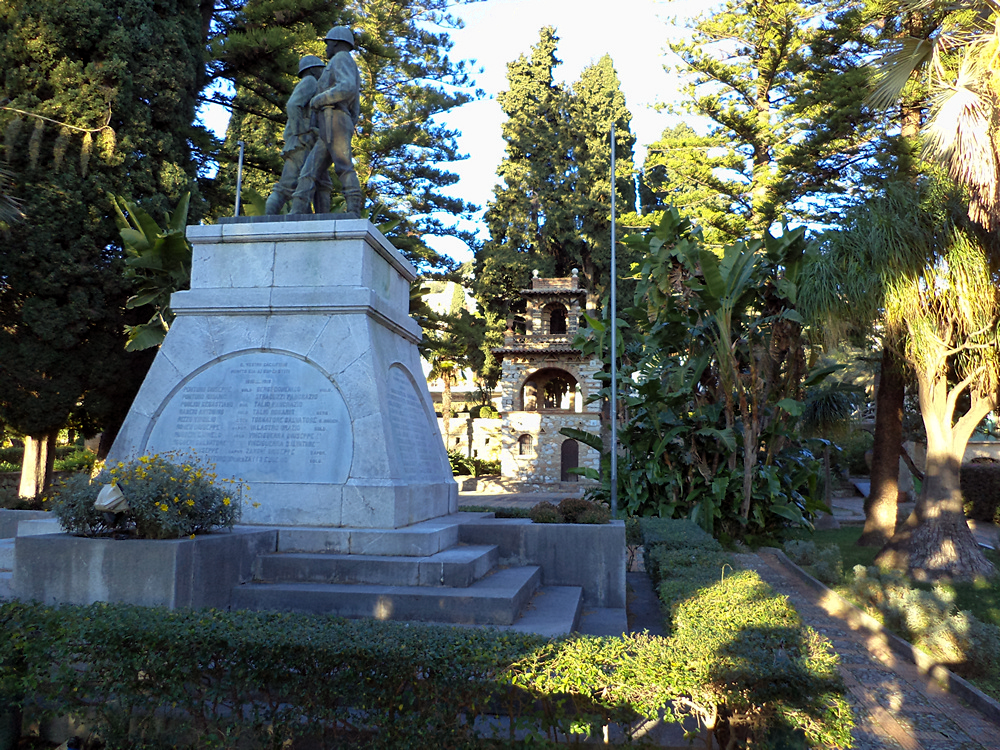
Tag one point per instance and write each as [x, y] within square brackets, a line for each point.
[823, 563]
[664, 563]
[461, 465]
[485, 467]
[68, 458]
[570, 510]
[545, 512]
[981, 489]
[247, 679]
[852, 452]
[484, 411]
[578, 510]
[675, 534]
[930, 620]
[79, 459]
[166, 500]
[740, 651]
[737, 650]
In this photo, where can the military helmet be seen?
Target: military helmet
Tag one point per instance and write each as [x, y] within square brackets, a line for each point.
[340, 34]
[310, 61]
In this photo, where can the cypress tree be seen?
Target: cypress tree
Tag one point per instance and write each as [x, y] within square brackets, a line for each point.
[552, 211]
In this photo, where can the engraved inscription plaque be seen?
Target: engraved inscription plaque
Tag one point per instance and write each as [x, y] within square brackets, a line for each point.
[260, 417]
[410, 429]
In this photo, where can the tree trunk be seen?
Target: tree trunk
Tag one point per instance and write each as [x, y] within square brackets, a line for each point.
[935, 542]
[36, 466]
[883, 497]
[446, 410]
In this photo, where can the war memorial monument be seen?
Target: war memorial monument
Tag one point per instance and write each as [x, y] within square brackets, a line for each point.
[292, 365]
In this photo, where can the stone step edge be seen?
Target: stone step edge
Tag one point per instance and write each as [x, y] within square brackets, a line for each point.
[417, 540]
[950, 681]
[483, 557]
[525, 582]
[533, 615]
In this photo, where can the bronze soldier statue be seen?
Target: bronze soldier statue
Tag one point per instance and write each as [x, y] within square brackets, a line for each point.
[337, 108]
[300, 136]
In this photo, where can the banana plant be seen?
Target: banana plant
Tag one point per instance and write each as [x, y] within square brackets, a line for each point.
[158, 261]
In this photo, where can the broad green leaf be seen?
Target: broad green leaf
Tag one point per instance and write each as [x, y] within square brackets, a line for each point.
[818, 375]
[144, 336]
[793, 407]
[146, 224]
[178, 219]
[710, 271]
[143, 298]
[135, 239]
[594, 441]
[791, 512]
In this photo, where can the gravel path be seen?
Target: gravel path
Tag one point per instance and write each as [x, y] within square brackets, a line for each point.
[895, 706]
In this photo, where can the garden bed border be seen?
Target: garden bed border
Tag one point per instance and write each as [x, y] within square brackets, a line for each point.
[857, 618]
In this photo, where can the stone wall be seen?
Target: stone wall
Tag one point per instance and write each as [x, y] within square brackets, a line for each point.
[485, 437]
[542, 463]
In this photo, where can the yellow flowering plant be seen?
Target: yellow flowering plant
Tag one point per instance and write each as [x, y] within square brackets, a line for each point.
[169, 496]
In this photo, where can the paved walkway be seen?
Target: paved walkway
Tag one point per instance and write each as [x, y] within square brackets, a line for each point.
[894, 705]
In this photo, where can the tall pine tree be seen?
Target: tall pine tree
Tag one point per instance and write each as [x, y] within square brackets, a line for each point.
[552, 211]
[780, 88]
[117, 82]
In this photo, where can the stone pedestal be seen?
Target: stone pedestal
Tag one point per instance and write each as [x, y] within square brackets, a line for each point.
[292, 364]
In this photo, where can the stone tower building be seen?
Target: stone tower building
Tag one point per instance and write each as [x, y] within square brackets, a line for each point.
[545, 384]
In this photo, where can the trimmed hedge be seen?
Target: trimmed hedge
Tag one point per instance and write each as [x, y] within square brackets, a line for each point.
[754, 672]
[252, 679]
[675, 534]
[981, 489]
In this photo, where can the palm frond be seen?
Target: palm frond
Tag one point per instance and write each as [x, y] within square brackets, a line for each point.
[958, 136]
[894, 70]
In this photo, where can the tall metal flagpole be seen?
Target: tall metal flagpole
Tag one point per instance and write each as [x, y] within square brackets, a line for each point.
[239, 180]
[614, 342]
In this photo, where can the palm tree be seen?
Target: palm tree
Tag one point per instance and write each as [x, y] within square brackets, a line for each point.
[961, 64]
[940, 303]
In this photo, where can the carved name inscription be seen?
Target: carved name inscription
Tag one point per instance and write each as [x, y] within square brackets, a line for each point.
[259, 417]
[411, 430]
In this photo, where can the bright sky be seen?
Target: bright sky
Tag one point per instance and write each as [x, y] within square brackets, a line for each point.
[633, 32]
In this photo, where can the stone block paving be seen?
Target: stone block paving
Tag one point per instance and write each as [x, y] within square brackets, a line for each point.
[894, 705]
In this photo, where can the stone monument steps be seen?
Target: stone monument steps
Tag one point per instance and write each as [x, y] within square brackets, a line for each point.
[497, 599]
[417, 540]
[457, 567]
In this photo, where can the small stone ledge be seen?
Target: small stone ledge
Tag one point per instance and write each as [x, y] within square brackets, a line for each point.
[172, 573]
[284, 217]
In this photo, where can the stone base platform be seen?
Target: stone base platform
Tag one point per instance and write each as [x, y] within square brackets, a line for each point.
[465, 568]
[293, 365]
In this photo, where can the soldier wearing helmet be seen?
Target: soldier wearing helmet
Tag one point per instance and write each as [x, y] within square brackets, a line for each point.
[300, 136]
[337, 107]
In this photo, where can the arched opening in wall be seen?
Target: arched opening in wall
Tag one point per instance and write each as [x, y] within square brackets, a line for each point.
[524, 445]
[554, 319]
[570, 459]
[551, 389]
